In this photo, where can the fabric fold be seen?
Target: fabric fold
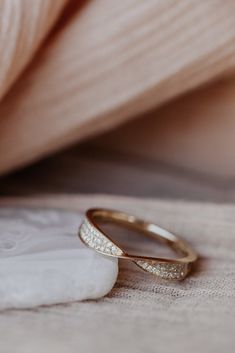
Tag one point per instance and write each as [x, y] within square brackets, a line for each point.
[23, 26]
[110, 62]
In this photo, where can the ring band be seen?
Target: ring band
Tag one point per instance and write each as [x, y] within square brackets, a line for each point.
[93, 236]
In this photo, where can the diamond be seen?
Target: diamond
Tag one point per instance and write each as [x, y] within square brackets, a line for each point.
[98, 241]
[164, 270]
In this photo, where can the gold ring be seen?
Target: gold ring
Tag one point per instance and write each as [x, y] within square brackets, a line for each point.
[93, 236]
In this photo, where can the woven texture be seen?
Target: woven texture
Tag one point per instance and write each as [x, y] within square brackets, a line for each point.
[141, 313]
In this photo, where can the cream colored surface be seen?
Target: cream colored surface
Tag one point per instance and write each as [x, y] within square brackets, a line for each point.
[141, 313]
[109, 62]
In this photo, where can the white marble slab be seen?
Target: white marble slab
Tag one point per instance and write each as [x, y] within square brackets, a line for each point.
[43, 262]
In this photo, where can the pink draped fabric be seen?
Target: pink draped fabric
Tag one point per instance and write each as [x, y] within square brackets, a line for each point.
[106, 62]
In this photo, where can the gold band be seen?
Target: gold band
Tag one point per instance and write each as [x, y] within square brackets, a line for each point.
[93, 236]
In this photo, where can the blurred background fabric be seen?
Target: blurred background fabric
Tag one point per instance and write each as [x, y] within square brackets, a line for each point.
[23, 27]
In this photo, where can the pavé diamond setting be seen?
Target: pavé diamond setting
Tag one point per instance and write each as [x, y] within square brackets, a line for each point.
[97, 240]
[165, 270]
